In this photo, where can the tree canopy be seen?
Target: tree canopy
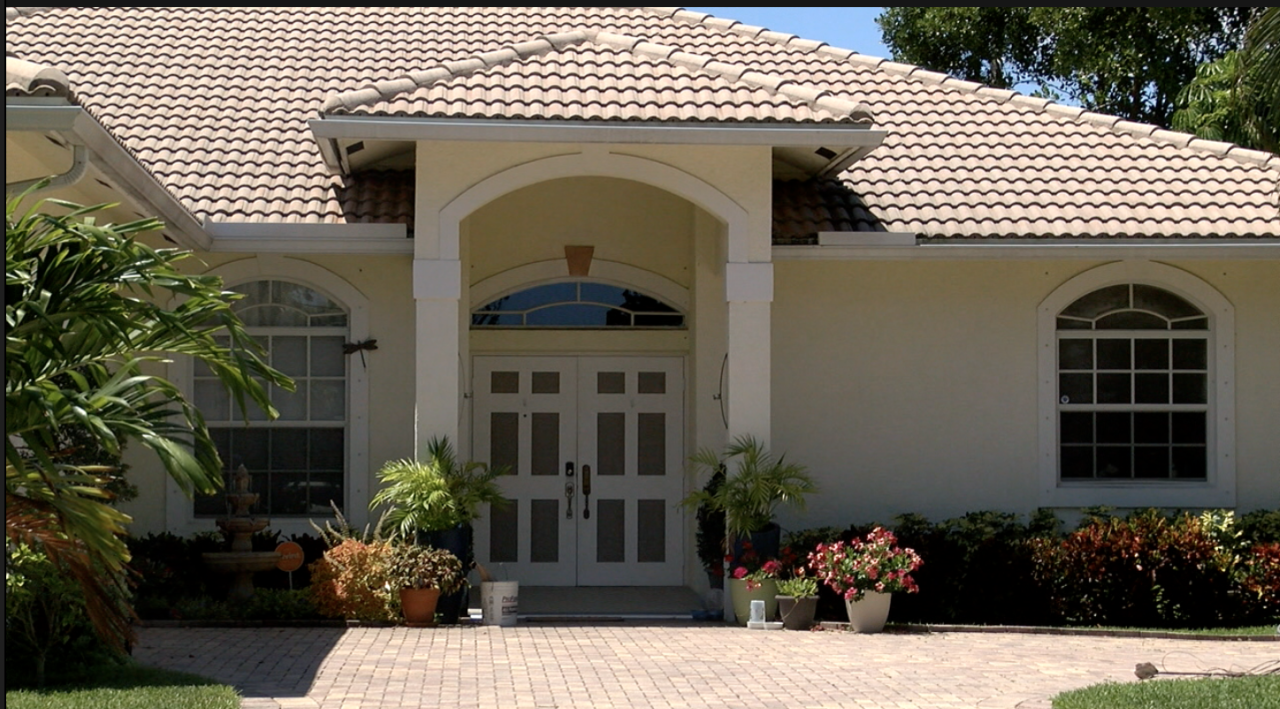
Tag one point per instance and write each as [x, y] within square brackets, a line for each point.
[1125, 61]
[83, 318]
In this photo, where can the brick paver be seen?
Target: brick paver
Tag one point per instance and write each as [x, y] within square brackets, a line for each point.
[660, 667]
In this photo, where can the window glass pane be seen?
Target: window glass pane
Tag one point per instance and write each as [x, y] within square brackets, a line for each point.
[1114, 388]
[327, 359]
[1131, 320]
[288, 494]
[1114, 427]
[289, 355]
[326, 449]
[611, 383]
[324, 487]
[535, 297]
[249, 447]
[611, 531]
[1193, 324]
[1163, 302]
[1103, 300]
[544, 531]
[291, 405]
[604, 294]
[212, 399]
[1075, 354]
[1151, 462]
[651, 531]
[570, 316]
[611, 443]
[1077, 427]
[493, 320]
[255, 412]
[328, 400]
[1069, 324]
[651, 320]
[546, 382]
[289, 449]
[1114, 354]
[1113, 462]
[302, 298]
[504, 530]
[1190, 462]
[1077, 462]
[255, 293]
[504, 382]
[1190, 389]
[1151, 354]
[544, 456]
[1190, 354]
[1151, 427]
[1151, 388]
[1075, 388]
[336, 320]
[652, 382]
[651, 451]
[273, 316]
[1189, 427]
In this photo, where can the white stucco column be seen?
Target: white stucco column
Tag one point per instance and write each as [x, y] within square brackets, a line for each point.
[437, 288]
[749, 292]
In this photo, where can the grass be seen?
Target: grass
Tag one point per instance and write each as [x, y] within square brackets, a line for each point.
[1260, 692]
[1247, 630]
[128, 686]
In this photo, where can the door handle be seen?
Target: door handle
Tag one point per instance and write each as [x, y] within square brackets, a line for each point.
[568, 499]
[586, 492]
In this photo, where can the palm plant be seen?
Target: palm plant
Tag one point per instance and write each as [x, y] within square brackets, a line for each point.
[436, 493]
[82, 323]
[750, 496]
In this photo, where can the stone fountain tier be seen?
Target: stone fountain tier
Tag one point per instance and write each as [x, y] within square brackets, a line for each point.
[242, 562]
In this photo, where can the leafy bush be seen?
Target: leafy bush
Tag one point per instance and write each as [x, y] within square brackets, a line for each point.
[1260, 581]
[352, 580]
[1143, 570]
[1259, 527]
[45, 616]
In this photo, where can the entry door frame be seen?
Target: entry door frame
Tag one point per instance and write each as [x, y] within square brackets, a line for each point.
[581, 408]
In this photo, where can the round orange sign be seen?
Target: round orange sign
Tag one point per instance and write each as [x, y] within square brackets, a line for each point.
[290, 556]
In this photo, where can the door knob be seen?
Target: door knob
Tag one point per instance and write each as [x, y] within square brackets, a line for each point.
[586, 492]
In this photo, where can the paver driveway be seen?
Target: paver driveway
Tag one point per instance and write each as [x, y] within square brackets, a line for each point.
[628, 665]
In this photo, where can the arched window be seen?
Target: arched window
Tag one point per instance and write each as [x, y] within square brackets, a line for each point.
[297, 461]
[1137, 390]
[1133, 386]
[576, 304]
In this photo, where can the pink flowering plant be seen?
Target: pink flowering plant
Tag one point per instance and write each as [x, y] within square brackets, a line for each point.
[751, 567]
[875, 563]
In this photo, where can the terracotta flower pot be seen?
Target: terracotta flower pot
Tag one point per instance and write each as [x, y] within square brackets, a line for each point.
[797, 613]
[419, 606]
[869, 614]
[767, 591]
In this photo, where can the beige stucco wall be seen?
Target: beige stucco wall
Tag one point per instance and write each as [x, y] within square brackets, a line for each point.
[911, 386]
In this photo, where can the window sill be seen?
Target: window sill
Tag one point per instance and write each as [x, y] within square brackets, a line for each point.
[1138, 493]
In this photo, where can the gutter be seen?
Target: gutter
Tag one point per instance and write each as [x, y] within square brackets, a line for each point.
[885, 246]
[110, 158]
[79, 165]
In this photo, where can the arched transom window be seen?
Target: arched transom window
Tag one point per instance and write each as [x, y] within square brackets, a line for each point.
[297, 461]
[576, 304]
[1134, 386]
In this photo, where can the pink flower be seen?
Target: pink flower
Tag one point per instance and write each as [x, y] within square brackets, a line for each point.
[740, 572]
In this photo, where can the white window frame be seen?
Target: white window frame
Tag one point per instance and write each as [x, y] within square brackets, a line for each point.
[179, 513]
[1219, 488]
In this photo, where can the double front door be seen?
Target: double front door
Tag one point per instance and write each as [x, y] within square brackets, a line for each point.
[594, 448]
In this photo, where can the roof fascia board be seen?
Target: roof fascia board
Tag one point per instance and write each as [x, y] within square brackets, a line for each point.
[1236, 249]
[771, 134]
[366, 239]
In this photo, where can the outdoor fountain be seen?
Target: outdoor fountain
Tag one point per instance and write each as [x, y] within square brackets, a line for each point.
[241, 560]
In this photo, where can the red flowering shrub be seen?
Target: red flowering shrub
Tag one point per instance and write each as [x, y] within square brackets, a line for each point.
[1145, 570]
[1260, 580]
[351, 581]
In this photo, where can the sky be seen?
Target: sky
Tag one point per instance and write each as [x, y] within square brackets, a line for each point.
[845, 27]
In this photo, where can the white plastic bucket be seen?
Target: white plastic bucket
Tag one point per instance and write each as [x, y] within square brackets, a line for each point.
[499, 602]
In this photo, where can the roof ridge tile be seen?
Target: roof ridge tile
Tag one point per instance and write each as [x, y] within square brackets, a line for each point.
[1113, 123]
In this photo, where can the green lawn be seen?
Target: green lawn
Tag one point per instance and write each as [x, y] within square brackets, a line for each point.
[1261, 692]
[127, 687]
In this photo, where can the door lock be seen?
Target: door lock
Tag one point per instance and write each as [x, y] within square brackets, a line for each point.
[586, 492]
[568, 500]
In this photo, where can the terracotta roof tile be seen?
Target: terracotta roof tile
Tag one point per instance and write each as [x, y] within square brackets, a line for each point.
[228, 93]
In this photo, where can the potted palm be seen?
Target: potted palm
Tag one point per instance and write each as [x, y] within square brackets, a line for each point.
[423, 574]
[434, 501]
[749, 498]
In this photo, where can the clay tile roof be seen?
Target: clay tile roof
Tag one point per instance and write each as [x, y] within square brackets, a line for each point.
[596, 76]
[28, 79]
[227, 93]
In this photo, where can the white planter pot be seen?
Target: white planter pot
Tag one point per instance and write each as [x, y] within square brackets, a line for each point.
[869, 614]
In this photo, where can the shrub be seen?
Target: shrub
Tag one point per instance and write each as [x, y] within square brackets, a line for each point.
[1144, 570]
[1259, 527]
[352, 581]
[1260, 582]
[45, 616]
